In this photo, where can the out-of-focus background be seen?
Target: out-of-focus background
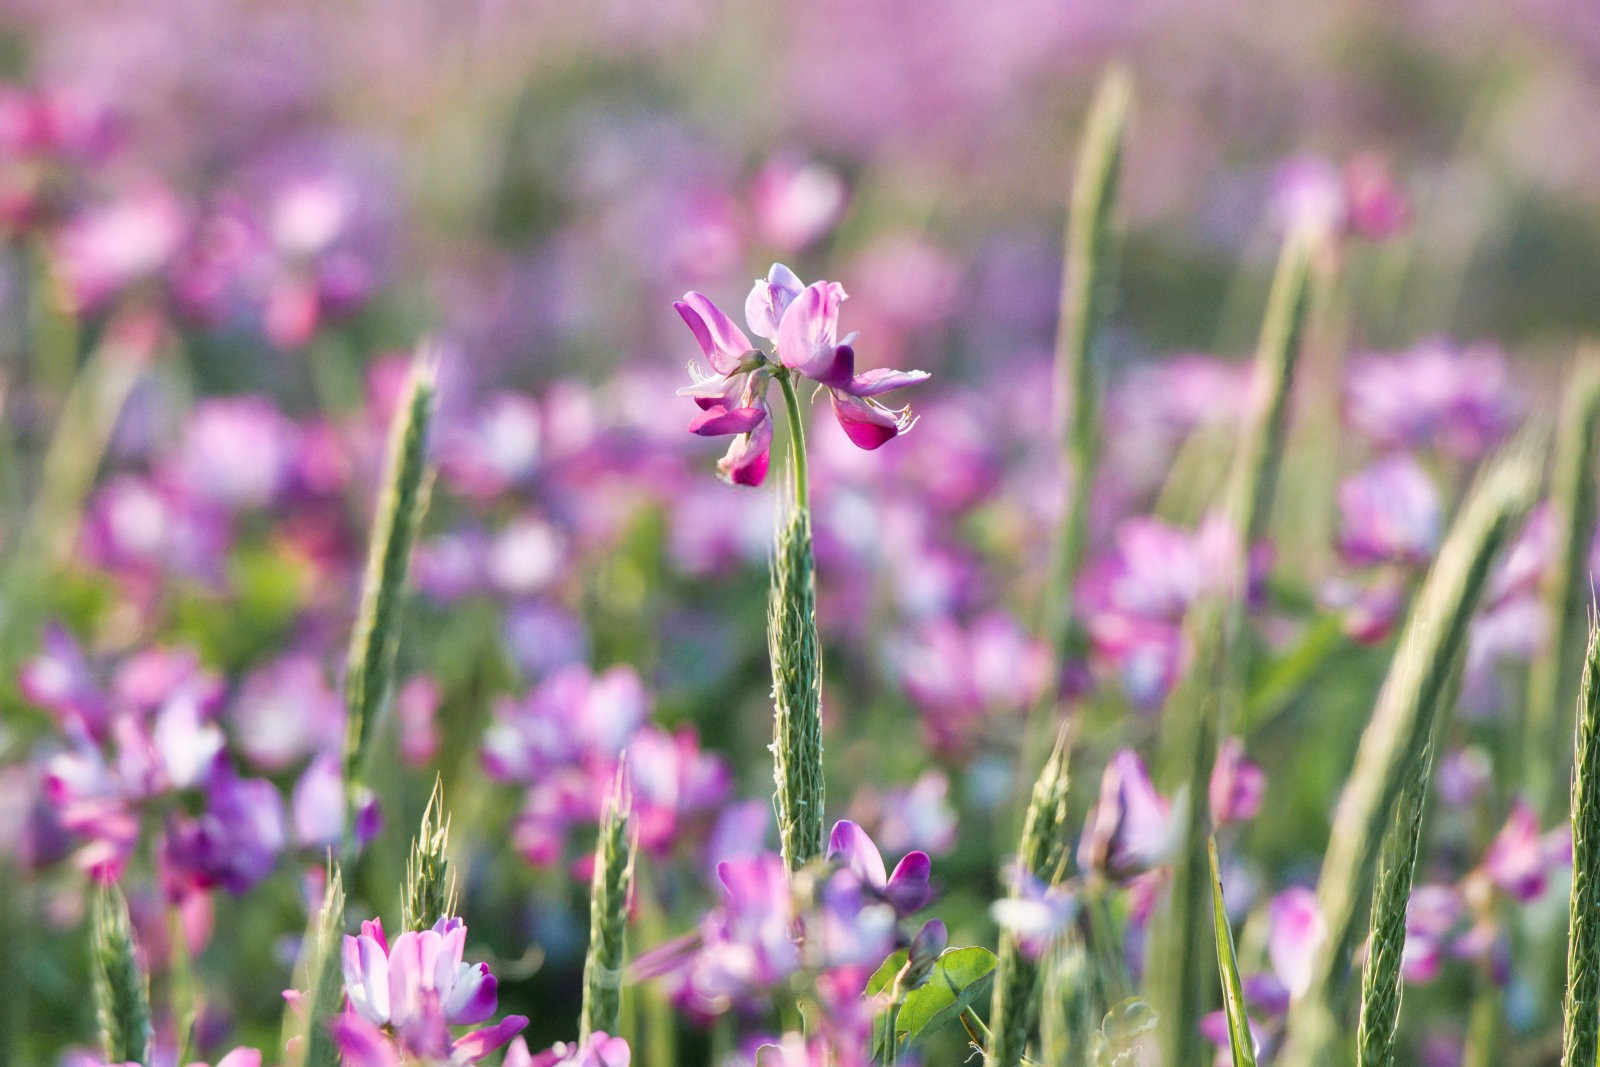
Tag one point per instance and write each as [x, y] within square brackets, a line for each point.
[223, 224]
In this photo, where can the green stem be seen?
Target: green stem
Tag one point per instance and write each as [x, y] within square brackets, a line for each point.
[797, 441]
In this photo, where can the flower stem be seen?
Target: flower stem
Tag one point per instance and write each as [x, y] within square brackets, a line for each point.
[795, 652]
[797, 441]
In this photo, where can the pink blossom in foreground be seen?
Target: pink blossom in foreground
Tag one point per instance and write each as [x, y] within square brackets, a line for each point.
[601, 1050]
[404, 998]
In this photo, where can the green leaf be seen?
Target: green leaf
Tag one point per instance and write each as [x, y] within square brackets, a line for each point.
[959, 977]
[883, 977]
[1239, 1037]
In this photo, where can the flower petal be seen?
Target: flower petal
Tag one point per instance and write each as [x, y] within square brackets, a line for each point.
[475, 1046]
[807, 336]
[747, 458]
[883, 380]
[769, 298]
[719, 421]
[723, 343]
[908, 888]
[868, 423]
[850, 843]
[366, 977]
[473, 995]
[361, 1044]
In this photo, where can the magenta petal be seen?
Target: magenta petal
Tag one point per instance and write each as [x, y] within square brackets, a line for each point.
[474, 997]
[883, 380]
[868, 423]
[711, 392]
[850, 843]
[908, 888]
[361, 1044]
[747, 458]
[807, 336]
[479, 1043]
[719, 421]
[720, 338]
[839, 372]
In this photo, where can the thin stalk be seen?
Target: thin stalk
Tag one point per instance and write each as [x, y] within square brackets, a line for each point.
[609, 894]
[1382, 985]
[795, 652]
[1086, 292]
[1581, 1028]
[1202, 705]
[307, 1038]
[1402, 720]
[797, 442]
[429, 892]
[375, 638]
[1564, 588]
[1043, 853]
[121, 990]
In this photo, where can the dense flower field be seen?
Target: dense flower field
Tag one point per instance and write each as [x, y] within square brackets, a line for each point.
[1132, 608]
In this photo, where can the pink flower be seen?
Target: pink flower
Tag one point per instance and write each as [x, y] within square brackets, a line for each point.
[601, 1050]
[1295, 932]
[801, 322]
[1390, 513]
[403, 998]
[1130, 828]
[1237, 784]
[906, 890]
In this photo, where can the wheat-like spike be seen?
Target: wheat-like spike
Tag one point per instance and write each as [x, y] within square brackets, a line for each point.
[121, 990]
[1381, 982]
[1086, 290]
[1043, 852]
[1401, 723]
[429, 891]
[792, 646]
[1200, 707]
[369, 671]
[308, 1039]
[1581, 1028]
[609, 894]
[1565, 591]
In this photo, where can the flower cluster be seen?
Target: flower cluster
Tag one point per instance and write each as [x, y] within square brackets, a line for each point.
[404, 998]
[801, 322]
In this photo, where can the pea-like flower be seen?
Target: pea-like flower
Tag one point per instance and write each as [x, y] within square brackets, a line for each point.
[404, 997]
[801, 323]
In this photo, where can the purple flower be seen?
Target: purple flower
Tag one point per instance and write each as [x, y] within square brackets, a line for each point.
[1390, 513]
[237, 452]
[117, 243]
[601, 1050]
[1130, 828]
[1459, 400]
[1376, 207]
[1035, 913]
[959, 676]
[802, 323]
[1295, 932]
[234, 843]
[906, 890]
[796, 201]
[405, 997]
[1519, 859]
[286, 711]
[1237, 784]
[58, 680]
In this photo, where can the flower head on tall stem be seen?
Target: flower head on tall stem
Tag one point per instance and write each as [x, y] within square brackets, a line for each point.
[801, 324]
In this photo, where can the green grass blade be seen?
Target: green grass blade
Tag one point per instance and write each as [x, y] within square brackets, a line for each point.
[1240, 1040]
[1581, 1029]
